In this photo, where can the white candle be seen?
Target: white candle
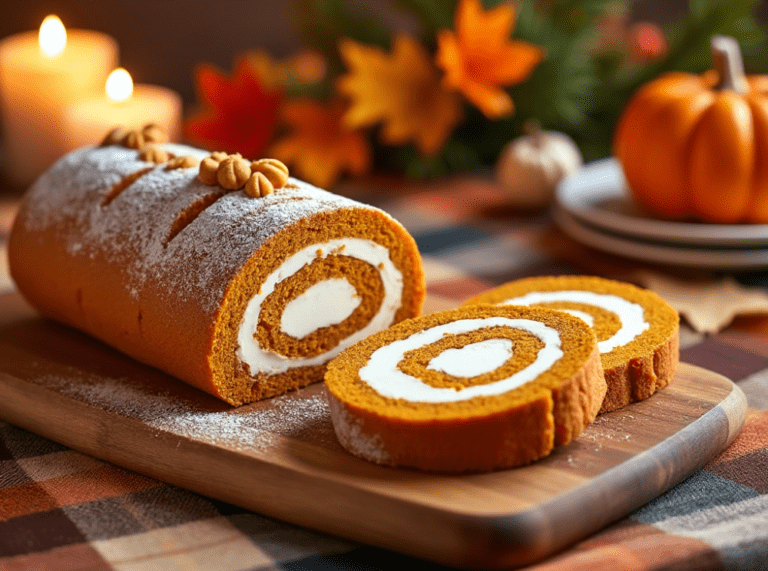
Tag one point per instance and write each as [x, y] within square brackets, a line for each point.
[122, 104]
[37, 81]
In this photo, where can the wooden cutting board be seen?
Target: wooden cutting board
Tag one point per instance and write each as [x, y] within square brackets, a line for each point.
[280, 457]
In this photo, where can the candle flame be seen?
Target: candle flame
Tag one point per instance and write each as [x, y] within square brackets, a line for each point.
[52, 36]
[119, 85]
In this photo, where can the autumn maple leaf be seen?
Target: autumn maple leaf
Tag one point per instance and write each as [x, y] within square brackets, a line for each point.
[239, 113]
[479, 58]
[320, 145]
[403, 91]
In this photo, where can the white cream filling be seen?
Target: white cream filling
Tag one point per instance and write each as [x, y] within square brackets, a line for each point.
[382, 374]
[260, 360]
[583, 315]
[324, 304]
[631, 315]
[473, 359]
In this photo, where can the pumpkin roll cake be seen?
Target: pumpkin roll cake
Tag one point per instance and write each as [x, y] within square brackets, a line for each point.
[225, 273]
[467, 390]
[637, 331]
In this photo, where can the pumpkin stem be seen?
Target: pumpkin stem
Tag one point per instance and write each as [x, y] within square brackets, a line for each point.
[532, 128]
[726, 55]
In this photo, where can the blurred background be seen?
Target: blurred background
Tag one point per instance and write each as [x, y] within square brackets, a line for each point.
[597, 54]
[161, 42]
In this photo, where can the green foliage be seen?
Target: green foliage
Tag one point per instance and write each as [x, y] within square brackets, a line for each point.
[322, 23]
[433, 15]
[572, 16]
[555, 93]
[689, 40]
[580, 88]
[456, 155]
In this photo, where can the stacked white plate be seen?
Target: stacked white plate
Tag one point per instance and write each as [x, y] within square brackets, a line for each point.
[594, 206]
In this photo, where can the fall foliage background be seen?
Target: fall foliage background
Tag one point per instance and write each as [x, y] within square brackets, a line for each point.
[578, 86]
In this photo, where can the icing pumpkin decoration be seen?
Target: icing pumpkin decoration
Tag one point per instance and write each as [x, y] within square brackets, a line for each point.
[697, 146]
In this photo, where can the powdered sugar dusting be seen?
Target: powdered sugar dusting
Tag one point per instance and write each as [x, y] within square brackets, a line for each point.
[349, 431]
[131, 231]
[258, 427]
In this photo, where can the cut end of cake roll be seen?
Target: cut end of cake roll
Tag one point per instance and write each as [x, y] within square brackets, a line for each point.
[225, 273]
[314, 289]
[637, 331]
[467, 390]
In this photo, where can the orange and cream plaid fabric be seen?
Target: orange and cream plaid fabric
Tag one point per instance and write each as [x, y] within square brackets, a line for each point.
[61, 510]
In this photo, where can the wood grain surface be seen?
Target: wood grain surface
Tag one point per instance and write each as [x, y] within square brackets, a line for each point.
[280, 457]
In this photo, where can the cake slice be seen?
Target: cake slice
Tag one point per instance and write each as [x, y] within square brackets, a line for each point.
[467, 390]
[637, 331]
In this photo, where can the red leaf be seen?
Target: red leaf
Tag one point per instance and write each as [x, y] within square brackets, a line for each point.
[239, 113]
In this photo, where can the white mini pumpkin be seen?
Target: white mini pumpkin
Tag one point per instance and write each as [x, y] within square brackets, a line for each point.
[529, 167]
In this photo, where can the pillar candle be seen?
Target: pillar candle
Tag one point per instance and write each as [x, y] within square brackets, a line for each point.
[86, 121]
[35, 88]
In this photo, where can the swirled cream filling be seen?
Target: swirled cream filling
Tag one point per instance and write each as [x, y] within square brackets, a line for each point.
[473, 359]
[631, 315]
[326, 303]
[583, 315]
[383, 375]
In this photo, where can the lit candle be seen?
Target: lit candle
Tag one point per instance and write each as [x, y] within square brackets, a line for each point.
[40, 73]
[122, 104]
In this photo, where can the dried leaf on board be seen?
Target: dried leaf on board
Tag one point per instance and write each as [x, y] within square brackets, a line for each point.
[707, 305]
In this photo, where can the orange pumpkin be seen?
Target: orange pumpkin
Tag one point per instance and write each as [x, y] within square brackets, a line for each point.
[698, 145]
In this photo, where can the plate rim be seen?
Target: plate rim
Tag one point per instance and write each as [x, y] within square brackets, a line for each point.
[605, 177]
[667, 254]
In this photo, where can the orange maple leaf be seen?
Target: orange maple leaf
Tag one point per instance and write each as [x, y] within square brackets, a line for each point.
[479, 57]
[239, 113]
[321, 146]
[402, 90]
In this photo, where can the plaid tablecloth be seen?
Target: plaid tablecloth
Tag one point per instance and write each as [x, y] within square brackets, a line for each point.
[62, 510]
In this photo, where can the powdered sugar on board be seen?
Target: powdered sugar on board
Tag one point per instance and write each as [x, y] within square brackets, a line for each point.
[258, 427]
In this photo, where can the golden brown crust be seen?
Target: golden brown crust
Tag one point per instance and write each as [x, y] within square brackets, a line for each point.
[641, 377]
[577, 403]
[482, 433]
[633, 372]
[471, 445]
